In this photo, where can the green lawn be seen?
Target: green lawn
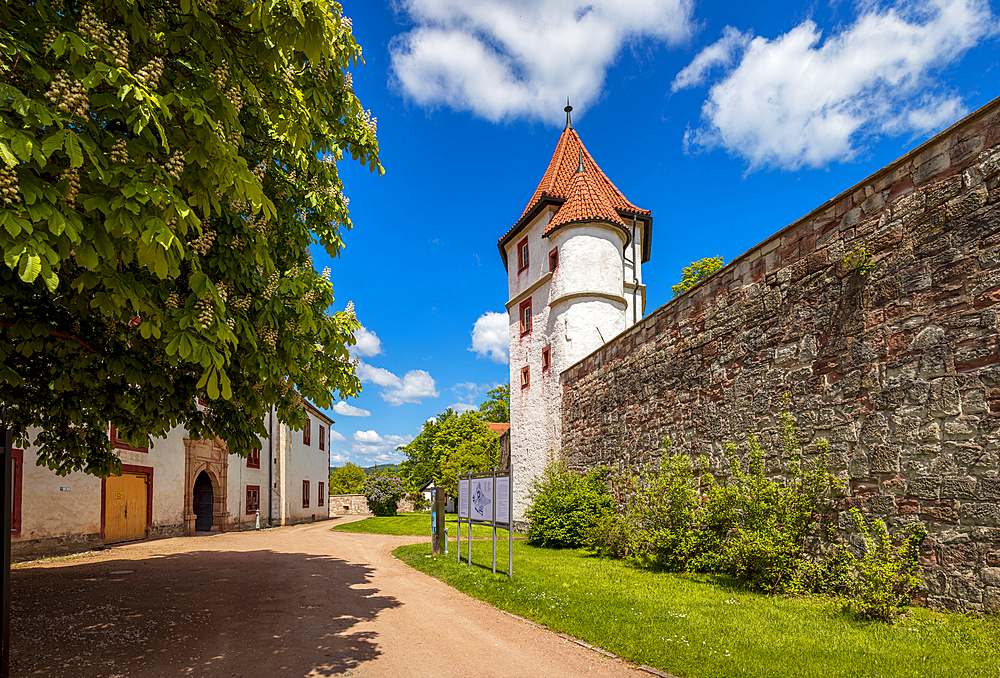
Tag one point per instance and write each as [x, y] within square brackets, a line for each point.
[418, 524]
[706, 627]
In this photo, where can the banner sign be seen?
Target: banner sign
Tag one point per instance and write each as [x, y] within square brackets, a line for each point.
[482, 499]
[463, 498]
[485, 499]
[502, 496]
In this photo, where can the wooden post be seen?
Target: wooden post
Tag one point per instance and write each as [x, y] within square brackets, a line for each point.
[438, 536]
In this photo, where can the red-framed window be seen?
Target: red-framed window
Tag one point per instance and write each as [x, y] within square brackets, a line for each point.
[525, 315]
[546, 358]
[253, 459]
[522, 255]
[525, 376]
[321, 495]
[253, 499]
[305, 494]
[307, 432]
[322, 437]
[17, 459]
[120, 444]
[554, 259]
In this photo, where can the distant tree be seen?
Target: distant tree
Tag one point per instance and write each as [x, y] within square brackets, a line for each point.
[450, 441]
[347, 479]
[421, 459]
[479, 454]
[496, 408]
[696, 272]
[164, 169]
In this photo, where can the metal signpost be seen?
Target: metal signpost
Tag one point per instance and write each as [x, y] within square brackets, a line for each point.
[486, 499]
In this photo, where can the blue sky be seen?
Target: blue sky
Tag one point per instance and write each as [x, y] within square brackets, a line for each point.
[728, 120]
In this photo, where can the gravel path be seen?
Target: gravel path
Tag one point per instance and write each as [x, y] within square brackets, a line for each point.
[296, 601]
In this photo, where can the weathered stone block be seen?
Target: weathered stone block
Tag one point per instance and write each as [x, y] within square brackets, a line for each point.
[980, 513]
[941, 510]
[884, 459]
[943, 398]
[961, 487]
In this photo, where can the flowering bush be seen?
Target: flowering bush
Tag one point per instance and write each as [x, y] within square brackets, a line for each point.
[382, 492]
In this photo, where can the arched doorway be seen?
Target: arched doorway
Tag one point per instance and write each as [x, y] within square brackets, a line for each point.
[204, 502]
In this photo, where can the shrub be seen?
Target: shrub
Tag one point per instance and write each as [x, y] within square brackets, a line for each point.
[566, 506]
[383, 491]
[751, 526]
[887, 576]
[420, 502]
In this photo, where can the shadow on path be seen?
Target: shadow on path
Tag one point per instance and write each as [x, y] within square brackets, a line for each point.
[196, 613]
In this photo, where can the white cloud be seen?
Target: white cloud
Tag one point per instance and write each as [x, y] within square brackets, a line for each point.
[415, 386]
[463, 407]
[336, 437]
[367, 344]
[343, 409]
[377, 375]
[798, 100]
[720, 53]
[502, 59]
[372, 447]
[490, 337]
[339, 459]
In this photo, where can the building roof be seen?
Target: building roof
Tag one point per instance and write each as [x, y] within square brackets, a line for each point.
[498, 428]
[586, 201]
[594, 197]
[558, 180]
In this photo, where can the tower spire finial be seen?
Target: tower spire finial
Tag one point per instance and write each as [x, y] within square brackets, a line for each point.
[580, 167]
[568, 109]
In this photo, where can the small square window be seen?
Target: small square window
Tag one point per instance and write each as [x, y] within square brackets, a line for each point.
[305, 494]
[525, 376]
[253, 459]
[307, 433]
[554, 259]
[522, 255]
[322, 437]
[253, 499]
[546, 358]
[321, 494]
[525, 317]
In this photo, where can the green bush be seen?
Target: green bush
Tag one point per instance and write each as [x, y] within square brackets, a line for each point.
[750, 526]
[887, 575]
[566, 506]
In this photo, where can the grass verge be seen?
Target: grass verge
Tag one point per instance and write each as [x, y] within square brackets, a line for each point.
[417, 524]
[707, 627]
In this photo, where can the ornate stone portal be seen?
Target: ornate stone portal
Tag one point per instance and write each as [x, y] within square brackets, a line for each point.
[211, 457]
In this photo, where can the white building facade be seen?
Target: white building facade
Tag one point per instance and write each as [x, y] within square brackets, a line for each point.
[574, 270]
[176, 486]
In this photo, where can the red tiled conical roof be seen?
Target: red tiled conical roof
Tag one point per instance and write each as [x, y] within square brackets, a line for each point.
[557, 182]
[586, 202]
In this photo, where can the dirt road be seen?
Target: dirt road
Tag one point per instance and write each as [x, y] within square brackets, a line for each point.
[296, 601]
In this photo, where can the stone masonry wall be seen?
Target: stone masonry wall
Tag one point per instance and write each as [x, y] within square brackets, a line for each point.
[898, 368]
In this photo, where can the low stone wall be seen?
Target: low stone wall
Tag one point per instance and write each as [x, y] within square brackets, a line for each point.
[356, 504]
[898, 368]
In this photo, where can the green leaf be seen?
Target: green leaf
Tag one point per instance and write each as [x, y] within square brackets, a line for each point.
[53, 142]
[22, 146]
[74, 150]
[31, 266]
[8, 155]
[213, 384]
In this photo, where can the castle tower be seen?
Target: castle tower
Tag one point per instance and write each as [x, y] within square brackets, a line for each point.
[574, 271]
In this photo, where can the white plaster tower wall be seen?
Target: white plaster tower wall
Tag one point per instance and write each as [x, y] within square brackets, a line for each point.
[534, 413]
[587, 302]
